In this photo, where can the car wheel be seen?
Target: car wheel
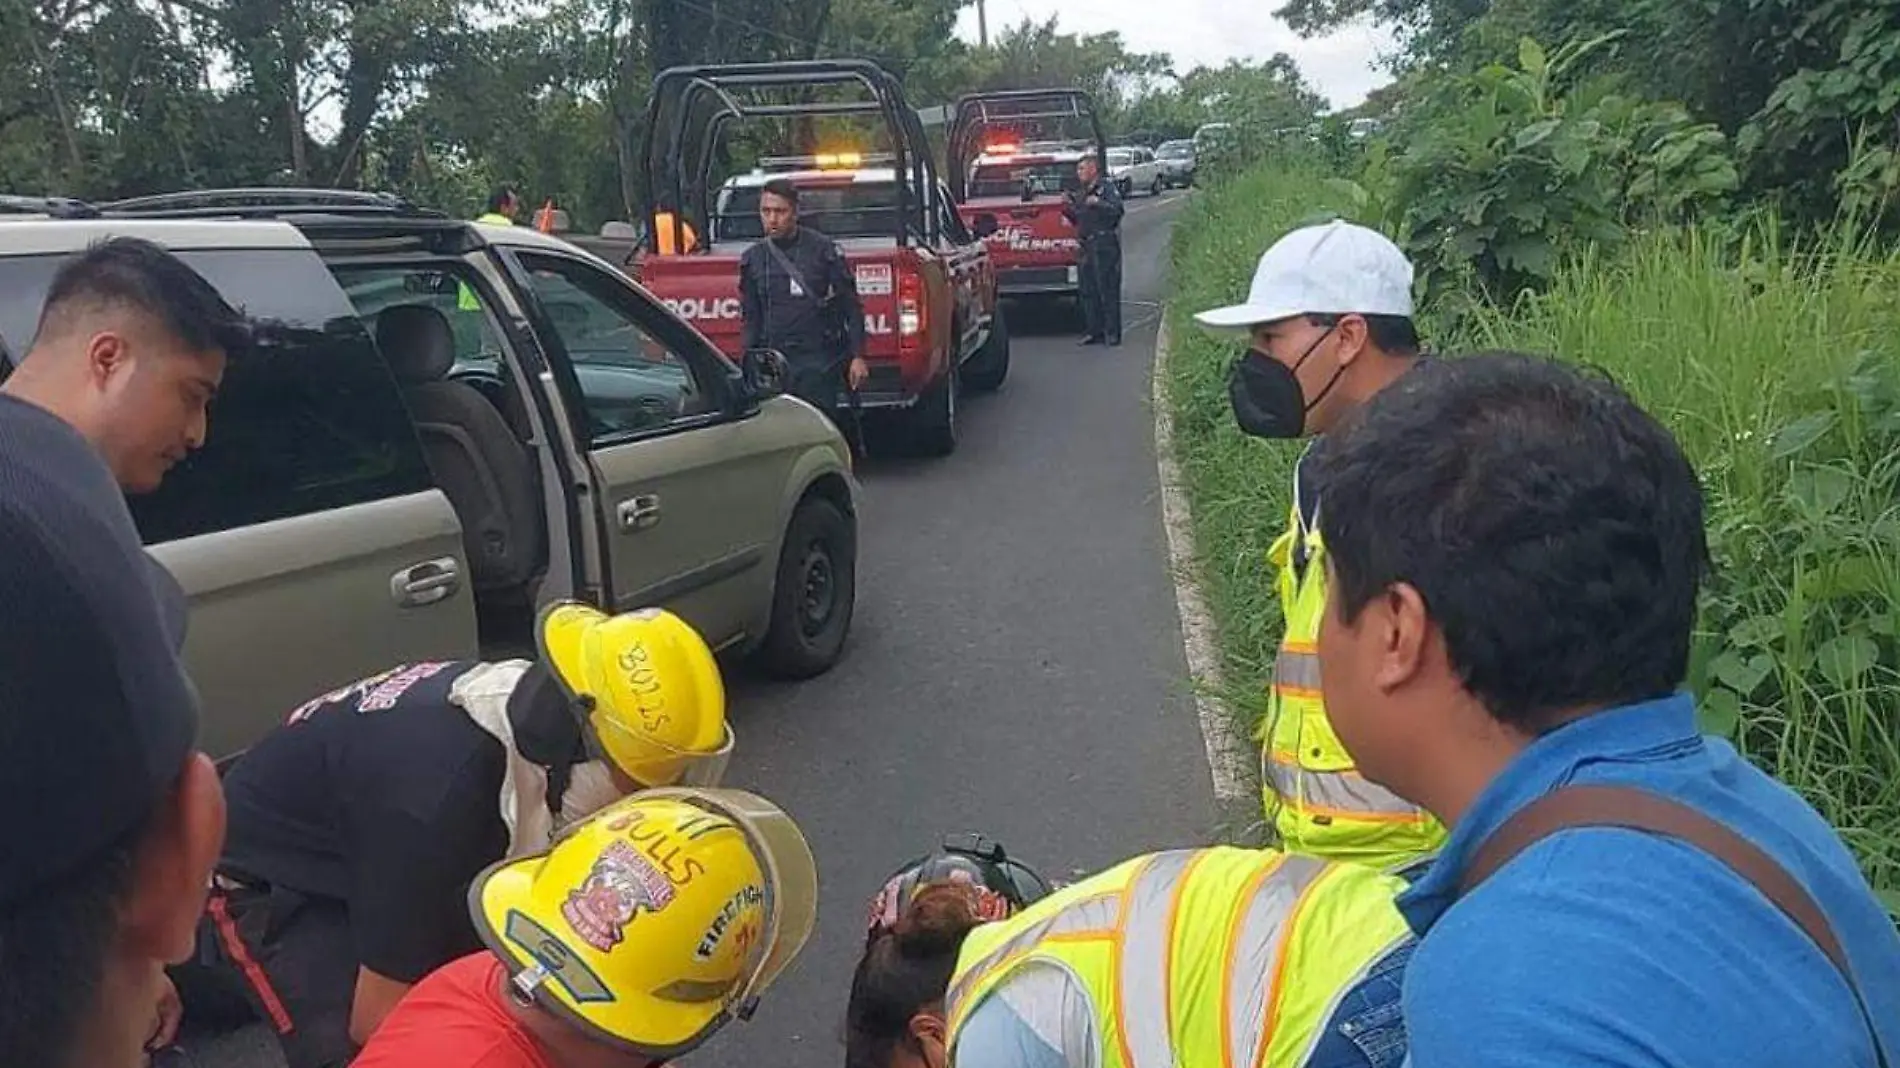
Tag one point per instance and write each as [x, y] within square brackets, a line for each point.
[815, 593]
[1126, 187]
[934, 419]
[991, 364]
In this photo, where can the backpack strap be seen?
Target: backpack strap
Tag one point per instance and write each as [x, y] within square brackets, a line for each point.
[1642, 810]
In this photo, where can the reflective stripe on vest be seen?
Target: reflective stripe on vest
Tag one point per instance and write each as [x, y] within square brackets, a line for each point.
[1315, 796]
[1217, 957]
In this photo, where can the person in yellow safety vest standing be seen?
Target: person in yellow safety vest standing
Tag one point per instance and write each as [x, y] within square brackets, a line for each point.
[1188, 958]
[503, 204]
[1329, 325]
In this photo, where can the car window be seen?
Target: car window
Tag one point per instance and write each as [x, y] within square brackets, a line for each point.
[444, 288]
[1120, 157]
[308, 421]
[631, 381]
[1007, 179]
[855, 209]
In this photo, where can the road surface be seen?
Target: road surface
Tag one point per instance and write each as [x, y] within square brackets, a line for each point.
[1015, 666]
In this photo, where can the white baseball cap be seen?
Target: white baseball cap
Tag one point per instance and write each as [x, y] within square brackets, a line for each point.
[1337, 268]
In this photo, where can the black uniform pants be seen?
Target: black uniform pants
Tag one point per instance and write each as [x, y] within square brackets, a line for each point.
[278, 957]
[819, 380]
[1101, 278]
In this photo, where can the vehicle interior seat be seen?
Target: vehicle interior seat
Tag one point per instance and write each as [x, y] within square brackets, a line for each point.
[487, 472]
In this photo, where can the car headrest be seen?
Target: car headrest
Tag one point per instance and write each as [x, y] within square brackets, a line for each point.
[417, 342]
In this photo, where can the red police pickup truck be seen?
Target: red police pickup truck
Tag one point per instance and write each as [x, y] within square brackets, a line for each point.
[1017, 184]
[931, 318]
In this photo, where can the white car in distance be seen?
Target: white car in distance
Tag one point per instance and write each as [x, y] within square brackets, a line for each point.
[1133, 167]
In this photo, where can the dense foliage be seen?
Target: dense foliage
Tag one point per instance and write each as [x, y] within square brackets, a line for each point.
[442, 99]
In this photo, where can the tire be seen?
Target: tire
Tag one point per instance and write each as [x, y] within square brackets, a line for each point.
[814, 594]
[990, 366]
[933, 426]
[1127, 188]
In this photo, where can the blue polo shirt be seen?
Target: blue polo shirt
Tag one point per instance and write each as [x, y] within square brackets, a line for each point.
[1608, 947]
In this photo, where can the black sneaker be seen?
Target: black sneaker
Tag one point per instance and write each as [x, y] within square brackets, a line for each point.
[1092, 339]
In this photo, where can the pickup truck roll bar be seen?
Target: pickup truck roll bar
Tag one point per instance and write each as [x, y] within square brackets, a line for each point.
[678, 158]
[973, 112]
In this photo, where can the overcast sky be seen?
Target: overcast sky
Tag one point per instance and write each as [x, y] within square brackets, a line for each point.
[1211, 32]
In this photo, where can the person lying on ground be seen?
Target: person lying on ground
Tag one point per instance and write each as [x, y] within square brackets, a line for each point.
[116, 817]
[357, 826]
[1192, 957]
[636, 938]
[1512, 658]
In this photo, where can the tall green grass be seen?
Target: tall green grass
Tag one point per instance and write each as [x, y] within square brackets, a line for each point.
[1777, 365]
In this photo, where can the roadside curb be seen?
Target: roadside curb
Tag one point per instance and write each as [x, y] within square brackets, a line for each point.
[1230, 757]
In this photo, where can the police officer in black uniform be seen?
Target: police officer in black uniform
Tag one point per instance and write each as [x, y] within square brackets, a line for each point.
[1095, 207]
[799, 296]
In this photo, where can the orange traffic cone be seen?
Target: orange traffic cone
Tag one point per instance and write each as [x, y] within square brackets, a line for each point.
[544, 219]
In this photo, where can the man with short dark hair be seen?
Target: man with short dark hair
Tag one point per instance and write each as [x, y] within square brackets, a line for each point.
[797, 294]
[130, 350]
[1094, 207]
[117, 817]
[503, 205]
[1617, 889]
[1329, 325]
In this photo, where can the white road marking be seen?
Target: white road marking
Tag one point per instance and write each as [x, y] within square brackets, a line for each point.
[1161, 201]
[1231, 759]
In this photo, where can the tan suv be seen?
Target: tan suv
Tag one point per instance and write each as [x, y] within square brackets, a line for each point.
[445, 426]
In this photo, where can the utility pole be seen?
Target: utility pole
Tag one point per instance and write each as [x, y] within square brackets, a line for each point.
[982, 23]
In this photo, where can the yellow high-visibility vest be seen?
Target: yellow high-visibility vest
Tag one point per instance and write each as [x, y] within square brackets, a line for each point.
[1214, 957]
[494, 217]
[1315, 797]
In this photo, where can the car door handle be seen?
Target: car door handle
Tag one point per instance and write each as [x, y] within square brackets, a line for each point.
[426, 583]
[639, 513]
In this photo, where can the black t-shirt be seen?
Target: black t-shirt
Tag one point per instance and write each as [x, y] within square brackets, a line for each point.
[384, 796]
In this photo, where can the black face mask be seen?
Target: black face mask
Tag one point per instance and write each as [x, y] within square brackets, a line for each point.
[1266, 395]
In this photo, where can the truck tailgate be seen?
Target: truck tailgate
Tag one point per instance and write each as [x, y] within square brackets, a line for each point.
[1034, 246]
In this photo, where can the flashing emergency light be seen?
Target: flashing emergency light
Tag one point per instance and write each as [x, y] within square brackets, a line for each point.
[1003, 148]
[838, 160]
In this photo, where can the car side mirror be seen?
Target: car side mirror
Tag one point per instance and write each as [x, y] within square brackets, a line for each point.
[984, 225]
[765, 372]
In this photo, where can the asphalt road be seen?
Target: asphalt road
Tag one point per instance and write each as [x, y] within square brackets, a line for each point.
[1015, 666]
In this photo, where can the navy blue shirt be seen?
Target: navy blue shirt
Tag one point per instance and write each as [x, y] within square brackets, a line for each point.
[1608, 947]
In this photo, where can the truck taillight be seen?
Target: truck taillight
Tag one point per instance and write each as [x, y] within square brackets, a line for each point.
[910, 309]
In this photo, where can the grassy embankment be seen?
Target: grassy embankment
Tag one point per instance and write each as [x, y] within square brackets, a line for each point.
[1778, 369]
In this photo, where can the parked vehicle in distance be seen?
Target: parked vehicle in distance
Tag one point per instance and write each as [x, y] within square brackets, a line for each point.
[448, 425]
[1177, 163]
[1133, 167]
[931, 319]
[1011, 157]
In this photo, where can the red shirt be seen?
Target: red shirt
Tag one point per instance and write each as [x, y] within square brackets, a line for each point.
[453, 1019]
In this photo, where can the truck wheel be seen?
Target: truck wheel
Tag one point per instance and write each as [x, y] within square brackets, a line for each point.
[934, 419]
[991, 364]
[815, 592]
